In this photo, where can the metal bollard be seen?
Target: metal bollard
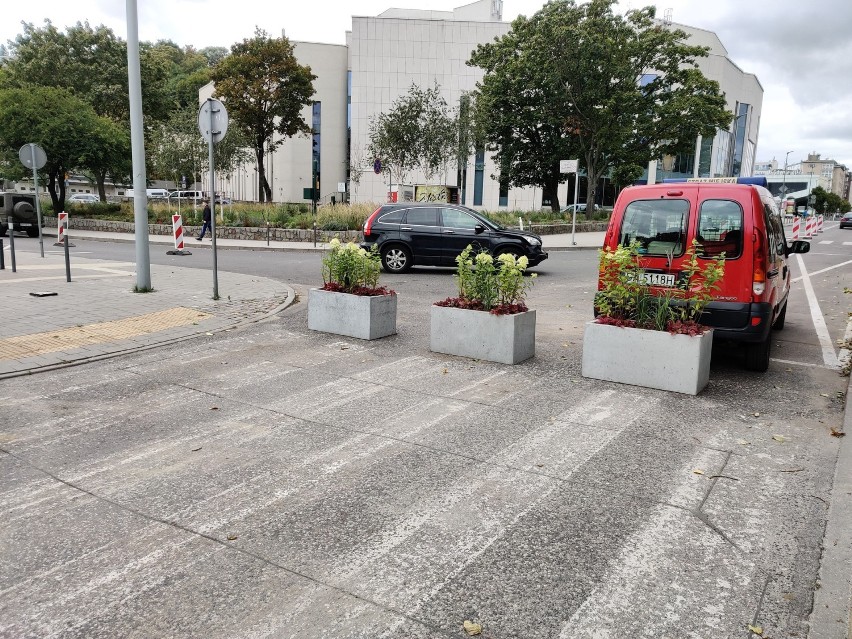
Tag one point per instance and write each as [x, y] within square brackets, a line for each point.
[12, 242]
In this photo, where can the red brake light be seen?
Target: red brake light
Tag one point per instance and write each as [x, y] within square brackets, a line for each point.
[368, 225]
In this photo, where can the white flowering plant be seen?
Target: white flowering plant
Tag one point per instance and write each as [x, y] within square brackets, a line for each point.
[488, 284]
[348, 268]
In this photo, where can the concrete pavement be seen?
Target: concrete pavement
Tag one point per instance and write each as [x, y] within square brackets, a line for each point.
[302, 485]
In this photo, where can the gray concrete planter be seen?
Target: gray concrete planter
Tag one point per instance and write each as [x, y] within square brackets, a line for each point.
[653, 359]
[508, 339]
[361, 316]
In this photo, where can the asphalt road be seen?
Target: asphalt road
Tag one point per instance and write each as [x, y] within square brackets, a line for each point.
[275, 482]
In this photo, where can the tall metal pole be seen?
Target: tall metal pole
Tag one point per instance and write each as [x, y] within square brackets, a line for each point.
[784, 183]
[213, 204]
[137, 143]
[38, 202]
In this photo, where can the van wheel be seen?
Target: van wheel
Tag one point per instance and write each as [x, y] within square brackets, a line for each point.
[757, 355]
[396, 259]
[778, 324]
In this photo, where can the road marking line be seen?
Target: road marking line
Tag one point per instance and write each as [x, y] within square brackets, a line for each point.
[821, 271]
[828, 354]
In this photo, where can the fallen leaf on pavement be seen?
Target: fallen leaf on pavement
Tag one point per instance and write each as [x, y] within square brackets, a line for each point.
[837, 433]
[757, 414]
[445, 371]
[756, 630]
[698, 471]
[779, 438]
[472, 628]
[214, 408]
[231, 537]
[743, 442]
[195, 450]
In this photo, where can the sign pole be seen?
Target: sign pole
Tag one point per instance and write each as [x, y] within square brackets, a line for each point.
[213, 201]
[38, 203]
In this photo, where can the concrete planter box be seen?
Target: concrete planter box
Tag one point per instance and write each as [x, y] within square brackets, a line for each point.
[508, 339]
[653, 359]
[361, 316]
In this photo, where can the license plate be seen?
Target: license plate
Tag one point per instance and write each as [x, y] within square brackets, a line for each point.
[657, 279]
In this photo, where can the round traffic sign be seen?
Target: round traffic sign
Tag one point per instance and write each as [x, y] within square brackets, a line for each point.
[32, 156]
[377, 166]
[212, 120]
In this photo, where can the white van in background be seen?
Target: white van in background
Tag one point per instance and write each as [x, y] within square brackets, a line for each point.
[157, 194]
[197, 196]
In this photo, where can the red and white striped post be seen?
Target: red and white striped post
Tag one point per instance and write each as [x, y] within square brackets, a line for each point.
[177, 226]
[61, 232]
[796, 228]
[819, 224]
[809, 227]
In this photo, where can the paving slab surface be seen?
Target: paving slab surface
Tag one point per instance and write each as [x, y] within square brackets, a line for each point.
[276, 482]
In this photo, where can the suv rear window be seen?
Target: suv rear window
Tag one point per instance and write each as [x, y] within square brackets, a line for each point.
[720, 228]
[658, 225]
[393, 217]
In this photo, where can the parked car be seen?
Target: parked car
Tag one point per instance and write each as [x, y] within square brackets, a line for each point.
[846, 220]
[195, 196]
[740, 220]
[83, 198]
[430, 234]
[581, 208]
[21, 207]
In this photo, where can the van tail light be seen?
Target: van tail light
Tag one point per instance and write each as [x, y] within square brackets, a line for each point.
[758, 279]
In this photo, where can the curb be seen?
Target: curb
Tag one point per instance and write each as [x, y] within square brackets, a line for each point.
[830, 615]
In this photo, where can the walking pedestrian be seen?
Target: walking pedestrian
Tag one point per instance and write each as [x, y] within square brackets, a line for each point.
[205, 215]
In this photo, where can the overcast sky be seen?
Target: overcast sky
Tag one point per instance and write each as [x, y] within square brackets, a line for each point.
[801, 51]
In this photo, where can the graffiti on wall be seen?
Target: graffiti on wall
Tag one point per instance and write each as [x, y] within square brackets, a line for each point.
[430, 193]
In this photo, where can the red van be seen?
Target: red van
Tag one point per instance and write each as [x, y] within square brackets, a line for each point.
[739, 218]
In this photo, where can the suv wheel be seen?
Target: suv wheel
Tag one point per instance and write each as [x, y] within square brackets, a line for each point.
[396, 259]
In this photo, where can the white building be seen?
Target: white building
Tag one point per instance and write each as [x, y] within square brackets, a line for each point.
[386, 54]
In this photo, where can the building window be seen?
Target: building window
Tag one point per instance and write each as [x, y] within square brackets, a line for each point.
[740, 128]
[478, 177]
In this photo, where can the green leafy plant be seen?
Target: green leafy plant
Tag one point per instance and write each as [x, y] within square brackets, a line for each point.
[486, 284]
[624, 299]
[347, 268]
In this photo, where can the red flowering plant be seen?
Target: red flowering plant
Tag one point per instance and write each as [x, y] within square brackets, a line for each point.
[485, 284]
[625, 299]
[347, 268]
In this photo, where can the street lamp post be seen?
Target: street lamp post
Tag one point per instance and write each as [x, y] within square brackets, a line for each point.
[784, 181]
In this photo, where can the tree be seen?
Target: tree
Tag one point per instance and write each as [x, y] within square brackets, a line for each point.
[106, 153]
[177, 148]
[264, 89]
[579, 80]
[418, 131]
[90, 63]
[59, 122]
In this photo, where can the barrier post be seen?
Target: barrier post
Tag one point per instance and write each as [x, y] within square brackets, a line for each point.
[796, 228]
[2, 257]
[62, 224]
[819, 223]
[808, 228]
[177, 229]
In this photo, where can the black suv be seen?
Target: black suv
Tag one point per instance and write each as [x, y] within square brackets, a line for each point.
[434, 234]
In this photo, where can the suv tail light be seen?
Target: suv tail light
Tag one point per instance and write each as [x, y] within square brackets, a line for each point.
[368, 225]
[758, 279]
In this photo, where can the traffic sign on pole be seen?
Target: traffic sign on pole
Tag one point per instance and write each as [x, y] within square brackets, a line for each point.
[33, 157]
[212, 120]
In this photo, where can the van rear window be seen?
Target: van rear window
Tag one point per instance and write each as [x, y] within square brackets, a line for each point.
[720, 228]
[658, 225]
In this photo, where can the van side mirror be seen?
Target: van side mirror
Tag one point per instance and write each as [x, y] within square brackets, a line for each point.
[798, 246]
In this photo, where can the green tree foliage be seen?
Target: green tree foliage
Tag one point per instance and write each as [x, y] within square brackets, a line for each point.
[90, 63]
[177, 148]
[264, 89]
[828, 202]
[418, 132]
[567, 83]
[61, 123]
